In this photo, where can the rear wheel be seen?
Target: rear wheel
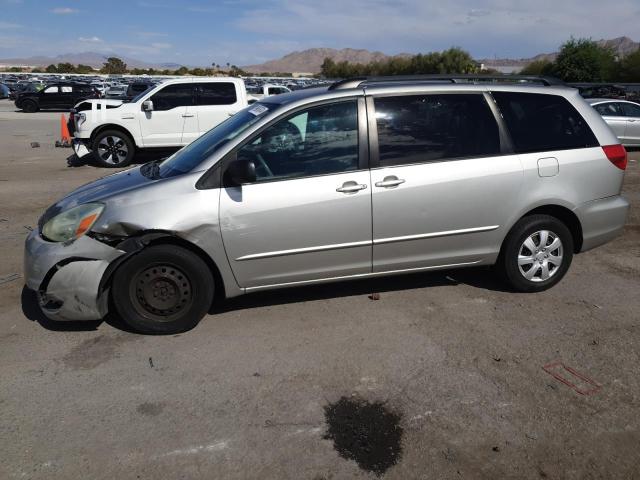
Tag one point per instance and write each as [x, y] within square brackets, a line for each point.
[113, 148]
[536, 254]
[163, 289]
[29, 106]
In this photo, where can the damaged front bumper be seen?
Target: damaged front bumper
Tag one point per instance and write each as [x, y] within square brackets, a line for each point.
[80, 147]
[70, 278]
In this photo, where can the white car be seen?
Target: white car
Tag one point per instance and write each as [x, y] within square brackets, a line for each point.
[172, 114]
[622, 116]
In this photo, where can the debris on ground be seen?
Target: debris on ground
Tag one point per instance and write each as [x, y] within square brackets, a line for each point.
[151, 362]
[9, 278]
[35, 145]
[374, 296]
[28, 228]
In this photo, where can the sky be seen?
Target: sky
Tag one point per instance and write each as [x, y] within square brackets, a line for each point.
[243, 32]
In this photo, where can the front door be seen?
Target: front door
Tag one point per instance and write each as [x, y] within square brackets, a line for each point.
[308, 214]
[163, 126]
[441, 188]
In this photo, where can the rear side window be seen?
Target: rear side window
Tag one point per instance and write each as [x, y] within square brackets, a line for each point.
[172, 96]
[631, 110]
[539, 122]
[427, 128]
[609, 109]
[216, 93]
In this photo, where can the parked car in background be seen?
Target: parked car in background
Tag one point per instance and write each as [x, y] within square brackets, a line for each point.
[59, 96]
[171, 114]
[259, 92]
[116, 91]
[622, 116]
[362, 179]
[4, 91]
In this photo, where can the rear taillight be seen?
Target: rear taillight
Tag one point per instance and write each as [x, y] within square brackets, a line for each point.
[616, 155]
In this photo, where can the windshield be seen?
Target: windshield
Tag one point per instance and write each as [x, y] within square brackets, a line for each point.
[188, 158]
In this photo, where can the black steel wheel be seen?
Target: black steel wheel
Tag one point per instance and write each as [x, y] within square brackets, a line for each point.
[163, 289]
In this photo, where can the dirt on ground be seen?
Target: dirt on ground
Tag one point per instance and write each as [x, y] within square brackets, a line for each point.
[450, 373]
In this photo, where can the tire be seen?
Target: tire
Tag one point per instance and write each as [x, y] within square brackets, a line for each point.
[163, 289]
[525, 264]
[29, 106]
[112, 149]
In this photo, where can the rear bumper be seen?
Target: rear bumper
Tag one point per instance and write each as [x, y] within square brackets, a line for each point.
[602, 220]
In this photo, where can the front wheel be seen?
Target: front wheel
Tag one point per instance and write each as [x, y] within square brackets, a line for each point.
[163, 289]
[536, 254]
[29, 106]
[113, 148]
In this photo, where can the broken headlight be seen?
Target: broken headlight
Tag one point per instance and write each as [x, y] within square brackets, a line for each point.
[72, 223]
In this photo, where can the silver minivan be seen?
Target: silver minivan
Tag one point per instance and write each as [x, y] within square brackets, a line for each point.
[360, 179]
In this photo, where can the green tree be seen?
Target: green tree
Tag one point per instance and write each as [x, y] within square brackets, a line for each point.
[538, 67]
[583, 60]
[198, 72]
[629, 68]
[51, 69]
[83, 69]
[114, 65]
[181, 71]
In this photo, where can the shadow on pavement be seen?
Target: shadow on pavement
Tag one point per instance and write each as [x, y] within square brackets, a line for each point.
[480, 277]
[31, 309]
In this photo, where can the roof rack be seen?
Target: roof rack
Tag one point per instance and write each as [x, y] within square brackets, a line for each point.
[357, 82]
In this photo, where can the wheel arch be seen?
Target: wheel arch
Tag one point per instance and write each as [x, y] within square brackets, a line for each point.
[111, 126]
[136, 243]
[562, 213]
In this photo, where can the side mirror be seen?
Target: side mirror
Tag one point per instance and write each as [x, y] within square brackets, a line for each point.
[147, 106]
[238, 172]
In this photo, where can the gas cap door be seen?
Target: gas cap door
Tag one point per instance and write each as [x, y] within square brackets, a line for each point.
[548, 167]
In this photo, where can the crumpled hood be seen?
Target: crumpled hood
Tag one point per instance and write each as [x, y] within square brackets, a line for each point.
[98, 190]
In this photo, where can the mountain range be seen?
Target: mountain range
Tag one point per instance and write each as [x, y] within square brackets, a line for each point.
[93, 59]
[309, 60]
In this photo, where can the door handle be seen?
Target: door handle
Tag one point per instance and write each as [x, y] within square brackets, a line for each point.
[188, 115]
[351, 187]
[390, 181]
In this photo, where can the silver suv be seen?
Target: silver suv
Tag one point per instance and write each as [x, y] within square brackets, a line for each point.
[360, 179]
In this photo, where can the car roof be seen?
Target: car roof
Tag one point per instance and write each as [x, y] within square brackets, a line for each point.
[415, 86]
[595, 101]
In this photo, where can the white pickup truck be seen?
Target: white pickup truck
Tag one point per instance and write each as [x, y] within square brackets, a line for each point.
[266, 90]
[172, 114]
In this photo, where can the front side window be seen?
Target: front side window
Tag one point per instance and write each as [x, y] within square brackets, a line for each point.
[541, 122]
[609, 109]
[318, 141]
[53, 89]
[631, 110]
[216, 93]
[173, 96]
[427, 128]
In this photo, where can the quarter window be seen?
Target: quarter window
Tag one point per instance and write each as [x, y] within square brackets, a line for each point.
[318, 141]
[542, 122]
[428, 128]
[216, 93]
[172, 96]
